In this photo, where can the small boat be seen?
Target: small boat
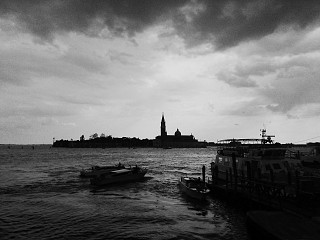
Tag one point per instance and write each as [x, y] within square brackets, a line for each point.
[275, 225]
[119, 176]
[98, 170]
[193, 187]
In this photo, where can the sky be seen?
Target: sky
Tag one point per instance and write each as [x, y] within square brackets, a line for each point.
[217, 69]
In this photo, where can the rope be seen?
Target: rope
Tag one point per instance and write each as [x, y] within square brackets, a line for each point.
[307, 139]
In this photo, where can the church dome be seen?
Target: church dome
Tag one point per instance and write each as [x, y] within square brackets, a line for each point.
[177, 133]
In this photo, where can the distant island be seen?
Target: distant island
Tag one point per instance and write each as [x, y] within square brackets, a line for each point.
[104, 142]
[163, 141]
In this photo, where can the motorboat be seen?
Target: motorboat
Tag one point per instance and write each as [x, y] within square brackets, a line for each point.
[119, 176]
[193, 187]
[95, 171]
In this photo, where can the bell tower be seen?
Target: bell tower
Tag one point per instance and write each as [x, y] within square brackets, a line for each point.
[163, 127]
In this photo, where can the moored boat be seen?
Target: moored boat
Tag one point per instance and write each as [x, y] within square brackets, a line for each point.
[265, 174]
[264, 163]
[119, 176]
[193, 187]
[95, 171]
[268, 162]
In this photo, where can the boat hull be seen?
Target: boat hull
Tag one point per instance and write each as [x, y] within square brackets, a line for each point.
[107, 180]
[193, 192]
[97, 171]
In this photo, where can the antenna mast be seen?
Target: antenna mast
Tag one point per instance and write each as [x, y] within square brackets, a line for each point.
[266, 138]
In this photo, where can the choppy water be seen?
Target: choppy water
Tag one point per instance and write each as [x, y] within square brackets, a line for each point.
[42, 197]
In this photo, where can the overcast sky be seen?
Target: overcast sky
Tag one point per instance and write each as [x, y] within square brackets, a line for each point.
[217, 69]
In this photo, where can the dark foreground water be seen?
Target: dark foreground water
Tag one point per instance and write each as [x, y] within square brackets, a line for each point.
[42, 197]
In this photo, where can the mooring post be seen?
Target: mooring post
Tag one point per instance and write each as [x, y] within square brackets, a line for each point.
[204, 174]
[235, 172]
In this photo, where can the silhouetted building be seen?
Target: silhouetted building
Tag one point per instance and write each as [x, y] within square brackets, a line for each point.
[177, 140]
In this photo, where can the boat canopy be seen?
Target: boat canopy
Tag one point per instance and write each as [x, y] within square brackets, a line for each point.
[241, 140]
[121, 171]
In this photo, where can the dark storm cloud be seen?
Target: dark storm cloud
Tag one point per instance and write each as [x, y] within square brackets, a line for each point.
[222, 22]
[231, 22]
[293, 85]
[46, 17]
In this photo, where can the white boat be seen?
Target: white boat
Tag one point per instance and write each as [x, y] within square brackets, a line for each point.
[98, 170]
[193, 187]
[119, 176]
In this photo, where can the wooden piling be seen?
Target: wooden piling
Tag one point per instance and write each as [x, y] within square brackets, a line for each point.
[203, 173]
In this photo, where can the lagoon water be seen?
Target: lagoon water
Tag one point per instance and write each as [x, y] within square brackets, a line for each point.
[42, 197]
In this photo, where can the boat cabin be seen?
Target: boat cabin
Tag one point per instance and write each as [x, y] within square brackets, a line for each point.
[255, 162]
[192, 182]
